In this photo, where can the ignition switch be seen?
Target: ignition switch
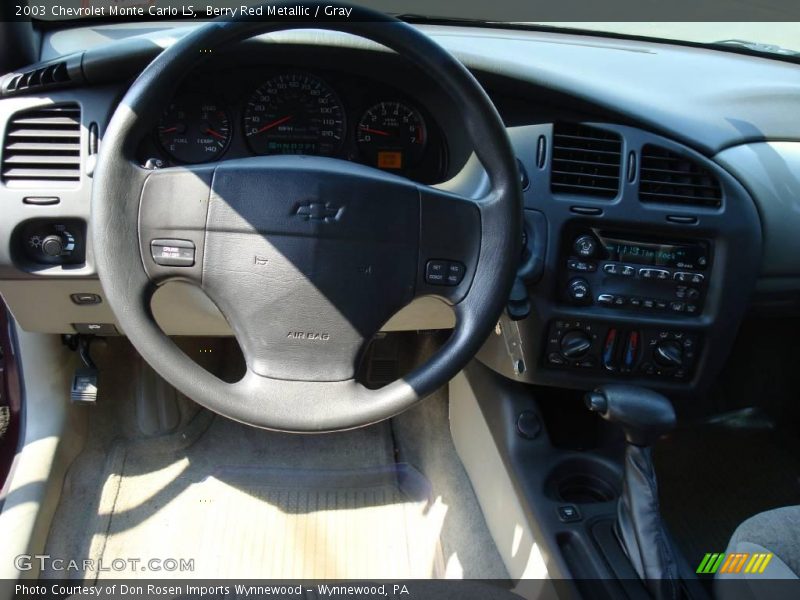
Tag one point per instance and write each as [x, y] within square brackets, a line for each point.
[531, 265]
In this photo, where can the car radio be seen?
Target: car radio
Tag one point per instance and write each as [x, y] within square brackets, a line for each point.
[624, 271]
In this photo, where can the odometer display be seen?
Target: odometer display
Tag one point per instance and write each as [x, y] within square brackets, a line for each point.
[194, 129]
[294, 113]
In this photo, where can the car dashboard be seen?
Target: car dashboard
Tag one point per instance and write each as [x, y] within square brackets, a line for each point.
[652, 218]
[220, 113]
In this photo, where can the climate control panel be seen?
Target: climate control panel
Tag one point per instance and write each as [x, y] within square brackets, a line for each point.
[622, 350]
[637, 273]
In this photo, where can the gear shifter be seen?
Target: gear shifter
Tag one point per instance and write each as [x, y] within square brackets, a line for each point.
[644, 416]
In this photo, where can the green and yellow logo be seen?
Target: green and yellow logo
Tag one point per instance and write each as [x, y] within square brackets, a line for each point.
[735, 562]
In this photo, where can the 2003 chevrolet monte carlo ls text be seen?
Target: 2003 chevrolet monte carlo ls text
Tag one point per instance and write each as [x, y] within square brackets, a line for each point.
[476, 301]
[185, 10]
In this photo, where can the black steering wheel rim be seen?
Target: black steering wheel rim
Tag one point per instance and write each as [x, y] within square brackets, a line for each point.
[121, 229]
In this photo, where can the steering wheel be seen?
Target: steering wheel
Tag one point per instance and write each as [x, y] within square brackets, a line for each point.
[306, 257]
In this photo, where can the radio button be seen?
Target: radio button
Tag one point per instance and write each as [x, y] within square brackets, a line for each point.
[605, 299]
[582, 266]
[628, 271]
[683, 276]
[612, 268]
[662, 274]
[647, 273]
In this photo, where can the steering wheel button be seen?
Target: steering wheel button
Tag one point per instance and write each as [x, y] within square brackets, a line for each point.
[455, 272]
[172, 253]
[436, 272]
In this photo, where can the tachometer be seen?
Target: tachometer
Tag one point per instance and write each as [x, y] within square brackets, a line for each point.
[294, 113]
[194, 129]
[392, 135]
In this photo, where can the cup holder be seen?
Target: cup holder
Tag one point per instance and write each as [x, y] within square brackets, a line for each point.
[583, 481]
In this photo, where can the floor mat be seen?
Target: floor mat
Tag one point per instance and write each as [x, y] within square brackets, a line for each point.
[713, 477]
[282, 524]
[334, 506]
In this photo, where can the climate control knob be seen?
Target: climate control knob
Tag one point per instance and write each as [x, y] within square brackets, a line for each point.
[668, 354]
[575, 344]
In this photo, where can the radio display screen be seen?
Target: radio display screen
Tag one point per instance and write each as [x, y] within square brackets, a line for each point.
[678, 256]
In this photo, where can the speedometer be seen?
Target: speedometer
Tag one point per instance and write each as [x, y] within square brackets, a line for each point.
[294, 113]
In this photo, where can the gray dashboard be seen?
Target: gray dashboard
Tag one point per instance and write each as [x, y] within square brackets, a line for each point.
[731, 115]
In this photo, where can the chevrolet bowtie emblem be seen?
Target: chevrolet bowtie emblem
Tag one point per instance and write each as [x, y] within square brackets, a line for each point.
[317, 211]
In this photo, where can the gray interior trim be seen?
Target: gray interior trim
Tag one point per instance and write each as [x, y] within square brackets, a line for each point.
[53, 434]
[771, 173]
[180, 308]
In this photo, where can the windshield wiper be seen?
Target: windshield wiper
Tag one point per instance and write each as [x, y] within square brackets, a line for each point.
[757, 47]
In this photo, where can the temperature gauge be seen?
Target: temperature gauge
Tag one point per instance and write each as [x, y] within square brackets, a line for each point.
[194, 130]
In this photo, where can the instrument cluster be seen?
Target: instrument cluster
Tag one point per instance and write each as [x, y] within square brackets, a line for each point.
[299, 112]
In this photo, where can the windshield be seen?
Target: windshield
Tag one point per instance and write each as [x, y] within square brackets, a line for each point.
[775, 28]
[765, 36]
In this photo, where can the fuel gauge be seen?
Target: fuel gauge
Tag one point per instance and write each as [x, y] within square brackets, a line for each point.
[194, 130]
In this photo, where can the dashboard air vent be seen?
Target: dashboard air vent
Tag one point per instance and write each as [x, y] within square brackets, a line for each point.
[586, 160]
[671, 178]
[33, 79]
[43, 144]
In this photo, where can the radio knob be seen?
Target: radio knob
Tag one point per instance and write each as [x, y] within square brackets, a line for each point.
[575, 344]
[668, 354]
[579, 291]
[585, 246]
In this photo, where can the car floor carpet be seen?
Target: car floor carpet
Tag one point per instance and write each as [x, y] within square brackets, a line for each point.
[243, 502]
[715, 475]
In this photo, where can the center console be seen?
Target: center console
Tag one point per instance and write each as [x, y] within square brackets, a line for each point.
[645, 285]
[640, 274]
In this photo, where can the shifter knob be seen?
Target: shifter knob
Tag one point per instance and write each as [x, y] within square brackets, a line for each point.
[643, 414]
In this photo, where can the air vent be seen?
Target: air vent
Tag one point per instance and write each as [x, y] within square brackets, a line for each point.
[586, 161]
[43, 144]
[45, 76]
[671, 178]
